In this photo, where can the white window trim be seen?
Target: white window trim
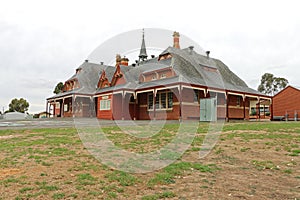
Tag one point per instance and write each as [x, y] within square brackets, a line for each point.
[157, 96]
[105, 104]
[66, 107]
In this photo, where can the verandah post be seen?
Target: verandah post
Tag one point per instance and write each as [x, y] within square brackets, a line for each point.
[227, 105]
[244, 106]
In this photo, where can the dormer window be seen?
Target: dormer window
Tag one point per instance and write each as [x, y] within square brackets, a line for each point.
[153, 77]
[210, 69]
[163, 75]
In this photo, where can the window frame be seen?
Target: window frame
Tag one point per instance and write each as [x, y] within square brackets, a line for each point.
[196, 95]
[159, 102]
[150, 106]
[105, 104]
[239, 101]
[163, 75]
[66, 107]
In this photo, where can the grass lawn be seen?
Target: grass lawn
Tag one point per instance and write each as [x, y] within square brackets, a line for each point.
[250, 161]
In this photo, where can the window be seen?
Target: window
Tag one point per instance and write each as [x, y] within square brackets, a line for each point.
[264, 109]
[212, 94]
[196, 96]
[105, 105]
[154, 77]
[157, 101]
[66, 107]
[132, 100]
[150, 101]
[163, 100]
[163, 75]
[170, 100]
[238, 101]
[210, 69]
[221, 100]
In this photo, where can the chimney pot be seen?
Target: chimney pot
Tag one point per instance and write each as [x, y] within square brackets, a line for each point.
[101, 63]
[207, 54]
[124, 61]
[191, 48]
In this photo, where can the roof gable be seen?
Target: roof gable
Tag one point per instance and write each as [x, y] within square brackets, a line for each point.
[287, 88]
[103, 80]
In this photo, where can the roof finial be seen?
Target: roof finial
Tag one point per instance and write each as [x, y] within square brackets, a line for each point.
[143, 52]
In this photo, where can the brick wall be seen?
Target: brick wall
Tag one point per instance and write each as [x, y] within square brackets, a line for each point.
[144, 114]
[287, 100]
[117, 107]
[120, 81]
[190, 107]
[82, 107]
[128, 107]
[104, 114]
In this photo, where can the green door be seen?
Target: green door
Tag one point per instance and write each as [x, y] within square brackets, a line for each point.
[208, 109]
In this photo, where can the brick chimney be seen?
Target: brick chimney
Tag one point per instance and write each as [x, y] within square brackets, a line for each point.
[176, 40]
[118, 59]
[124, 61]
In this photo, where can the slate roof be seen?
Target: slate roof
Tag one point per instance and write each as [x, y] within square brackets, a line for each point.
[87, 77]
[189, 66]
[193, 67]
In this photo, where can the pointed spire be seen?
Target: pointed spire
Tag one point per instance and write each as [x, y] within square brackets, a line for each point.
[143, 53]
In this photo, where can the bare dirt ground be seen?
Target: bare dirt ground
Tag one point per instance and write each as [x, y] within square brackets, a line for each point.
[249, 170]
[254, 163]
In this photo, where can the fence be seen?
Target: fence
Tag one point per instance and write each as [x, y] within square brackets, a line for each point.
[292, 115]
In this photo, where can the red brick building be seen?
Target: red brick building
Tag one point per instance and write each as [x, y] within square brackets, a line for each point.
[286, 104]
[173, 85]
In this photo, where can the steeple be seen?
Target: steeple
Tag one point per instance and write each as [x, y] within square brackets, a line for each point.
[143, 53]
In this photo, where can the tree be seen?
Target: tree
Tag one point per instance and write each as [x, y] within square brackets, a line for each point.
[19, 105]
[59, 88]
[269, 84]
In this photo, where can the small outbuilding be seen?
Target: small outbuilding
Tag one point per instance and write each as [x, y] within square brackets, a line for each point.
[15, 116]
[286, 104]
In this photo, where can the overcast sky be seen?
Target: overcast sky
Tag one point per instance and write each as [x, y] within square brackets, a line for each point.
[43, 42]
